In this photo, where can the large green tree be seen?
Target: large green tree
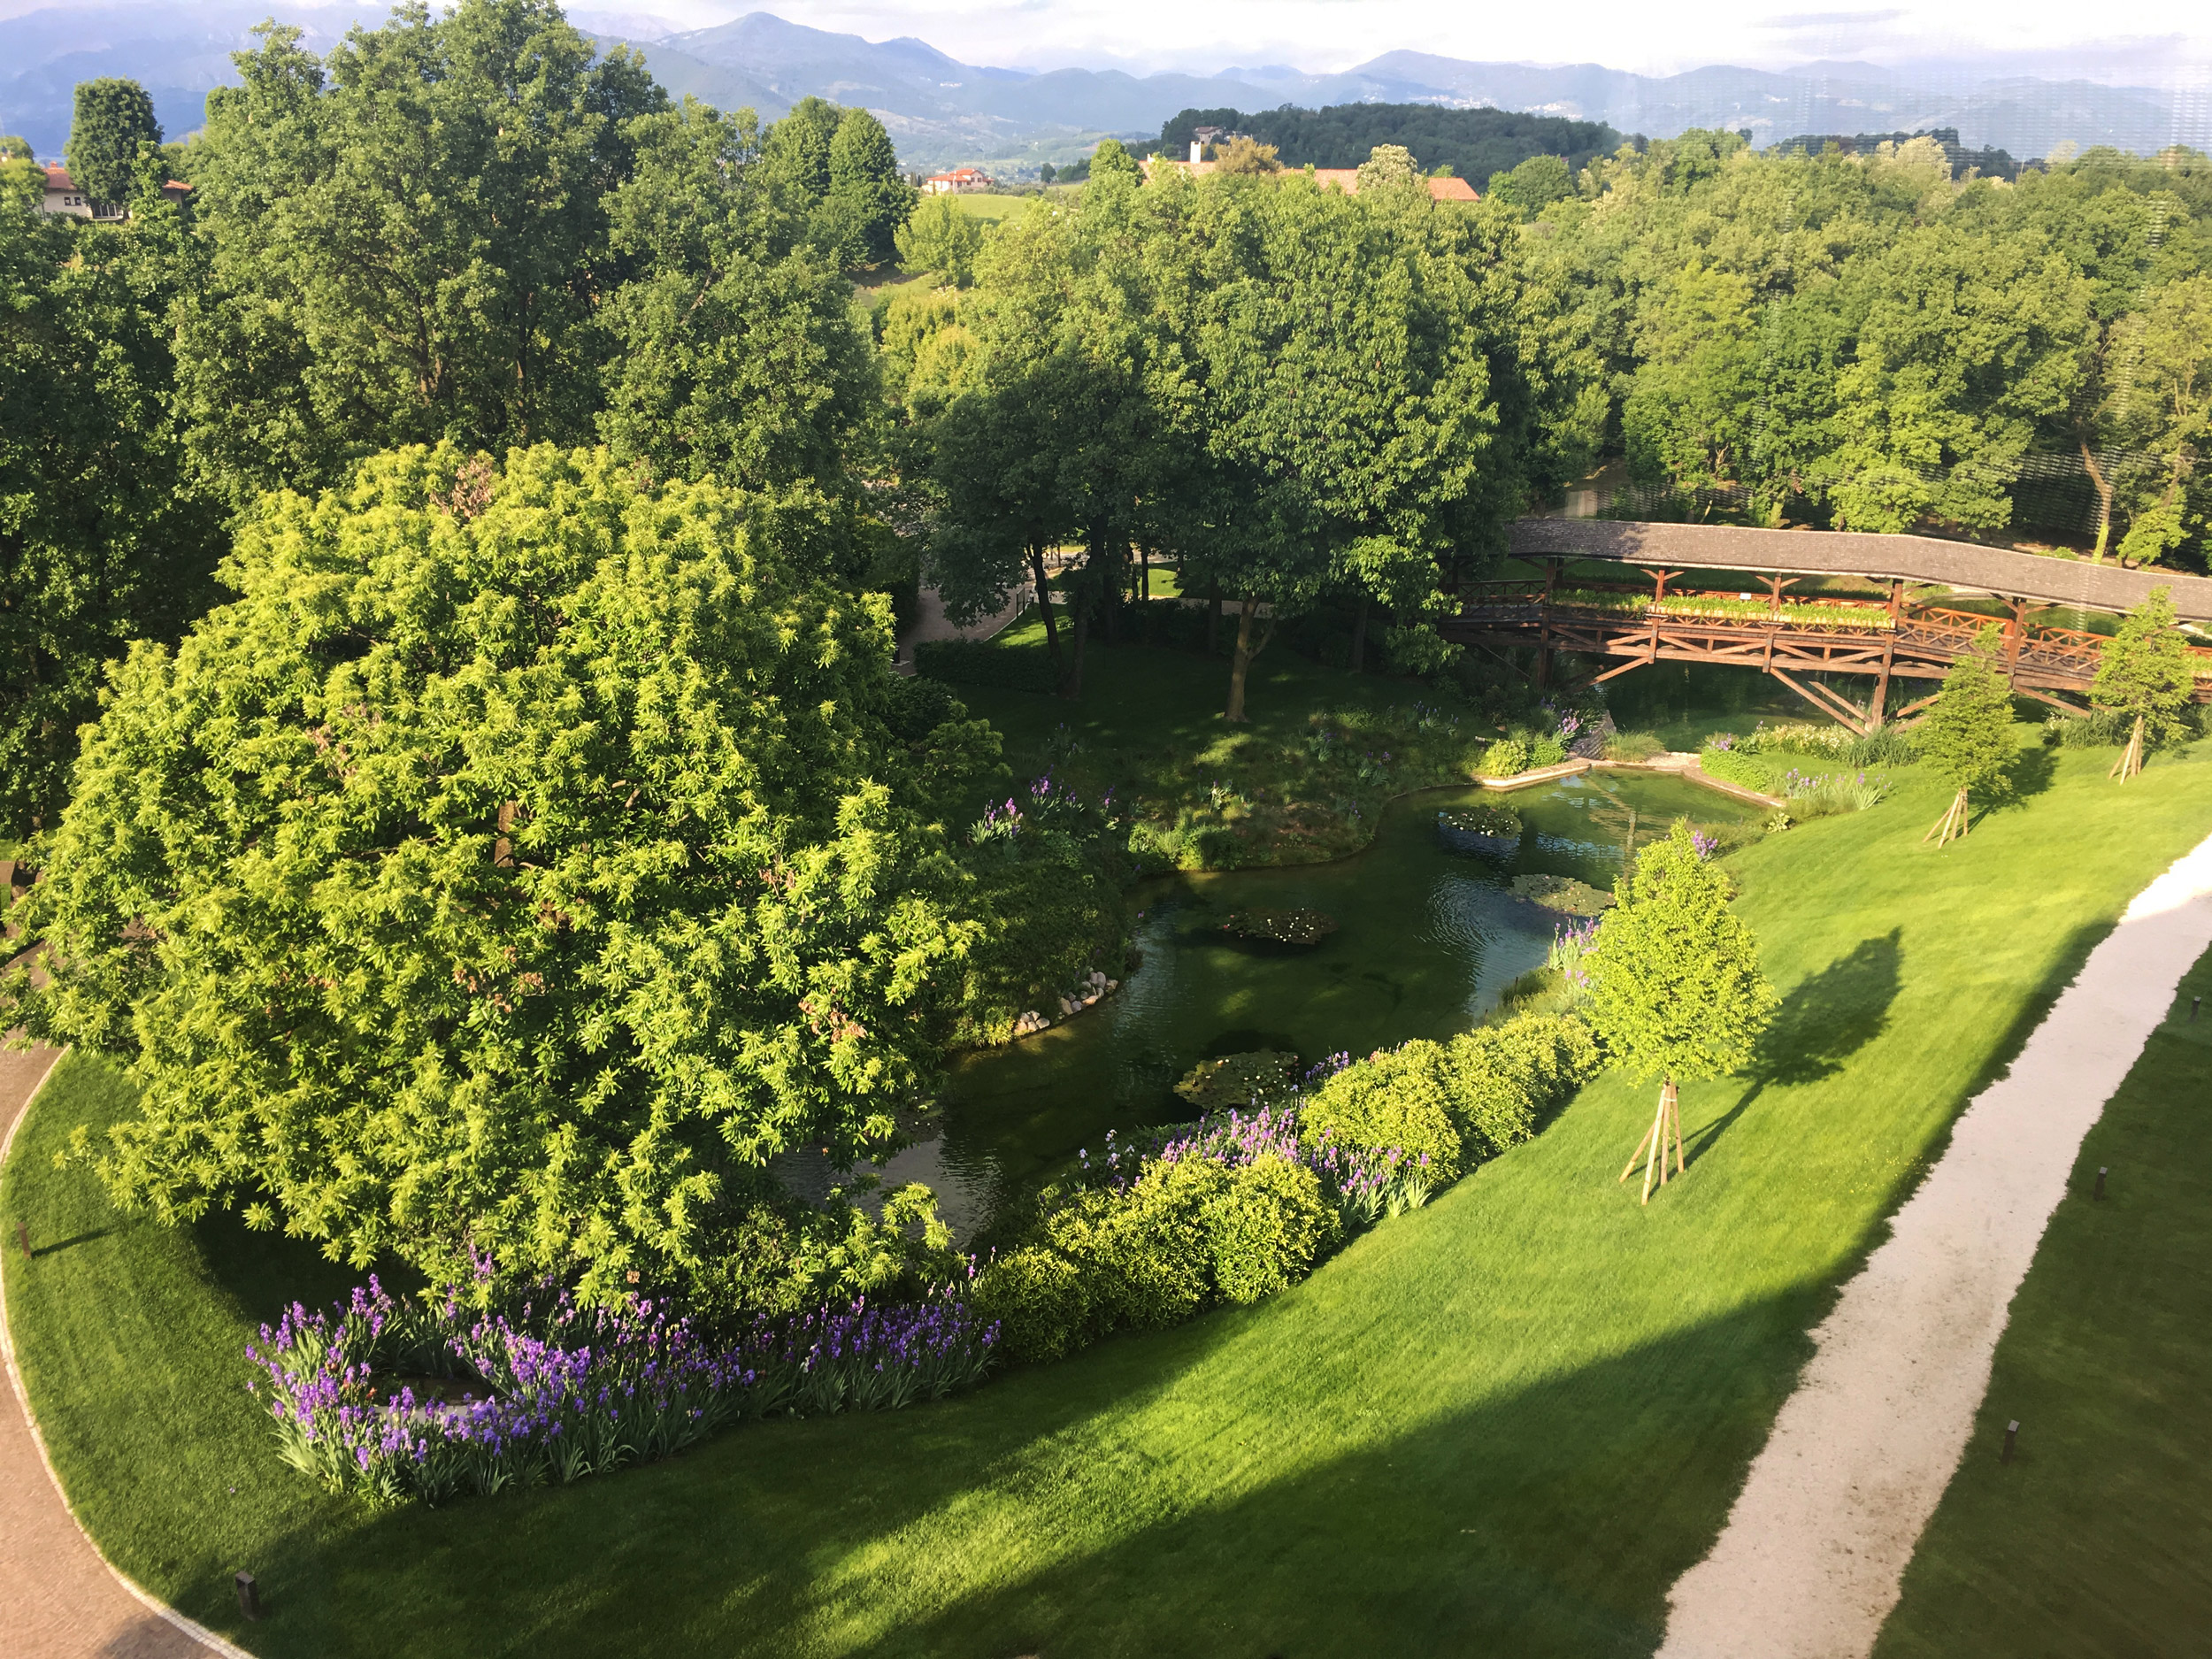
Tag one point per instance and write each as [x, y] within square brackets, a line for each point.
[523, 859]
[731, 359]
[111, 120]
[408, 241]
[1356, 381]
[866, 190]
[1676, 989]
[104, 537]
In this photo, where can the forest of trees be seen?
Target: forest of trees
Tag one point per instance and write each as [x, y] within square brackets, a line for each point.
[468, 514]
[1470, 144]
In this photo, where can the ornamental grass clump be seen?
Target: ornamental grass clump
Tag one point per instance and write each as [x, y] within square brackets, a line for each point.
[393, 1399]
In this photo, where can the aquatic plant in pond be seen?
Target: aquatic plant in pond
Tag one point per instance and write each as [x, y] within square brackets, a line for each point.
[394, 1399]
[1561, 893]
[1485, 826]
[1281, 927]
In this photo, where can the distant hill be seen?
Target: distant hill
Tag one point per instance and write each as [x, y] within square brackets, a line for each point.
[941, 111]
[1474, 143]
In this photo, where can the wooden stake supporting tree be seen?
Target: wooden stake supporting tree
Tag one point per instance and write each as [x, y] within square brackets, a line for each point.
[1675, 988]
[1967, 738]
[2147, 671]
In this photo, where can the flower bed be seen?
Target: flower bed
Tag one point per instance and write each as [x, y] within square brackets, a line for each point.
[365, 1401]
[1722, 608]
[1238, 1205]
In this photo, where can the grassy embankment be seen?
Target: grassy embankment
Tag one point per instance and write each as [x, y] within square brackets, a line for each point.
[2095, 1540]
[1503, 1424]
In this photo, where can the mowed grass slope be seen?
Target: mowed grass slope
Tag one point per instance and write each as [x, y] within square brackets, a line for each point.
[1503, 1424]
[2096, 1540]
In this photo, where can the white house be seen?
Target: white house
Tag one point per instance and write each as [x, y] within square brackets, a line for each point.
[63, 196]
[959, 181]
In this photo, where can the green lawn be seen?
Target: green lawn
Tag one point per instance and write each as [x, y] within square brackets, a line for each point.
[2095, 1541]
[1502, 1423]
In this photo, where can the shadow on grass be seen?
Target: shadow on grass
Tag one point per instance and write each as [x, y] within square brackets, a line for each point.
[1822, 1023]
[1030, 1518]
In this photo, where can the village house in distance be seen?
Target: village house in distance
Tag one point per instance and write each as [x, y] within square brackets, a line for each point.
[63, 196]
[959, 181]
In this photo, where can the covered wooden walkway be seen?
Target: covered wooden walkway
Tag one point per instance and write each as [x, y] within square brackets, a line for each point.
[1900, 638]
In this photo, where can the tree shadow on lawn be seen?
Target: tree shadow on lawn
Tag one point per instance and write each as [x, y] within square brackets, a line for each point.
[1546, 1521]
[1828, 1018]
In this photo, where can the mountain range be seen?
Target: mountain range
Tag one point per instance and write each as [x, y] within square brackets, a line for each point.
[941, 110]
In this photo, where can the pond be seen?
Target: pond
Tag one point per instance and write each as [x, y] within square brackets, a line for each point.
[1426, 940]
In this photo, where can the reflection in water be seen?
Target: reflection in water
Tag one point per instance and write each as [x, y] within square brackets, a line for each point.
[1427, 938]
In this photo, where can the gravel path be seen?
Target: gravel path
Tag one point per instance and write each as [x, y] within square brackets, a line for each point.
[58, 1599]
[1810, 1561]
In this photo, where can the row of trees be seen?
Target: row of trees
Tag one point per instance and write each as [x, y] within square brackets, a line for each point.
[1294, 393]
[1872, 342]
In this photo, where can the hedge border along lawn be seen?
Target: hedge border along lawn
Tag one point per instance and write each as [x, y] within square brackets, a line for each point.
[2095, 1541]
[1502, 1423]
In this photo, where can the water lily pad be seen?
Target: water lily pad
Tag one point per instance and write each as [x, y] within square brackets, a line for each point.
[1485, 827]
[1263, 1077]
[1281, 927]
[1561, 893]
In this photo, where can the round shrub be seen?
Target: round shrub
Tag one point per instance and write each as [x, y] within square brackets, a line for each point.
[1037, 1297]
[1397, 1097]
[1267, 1228]
[1505, 758]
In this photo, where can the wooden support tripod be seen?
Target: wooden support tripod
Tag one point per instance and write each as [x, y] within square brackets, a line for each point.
[2131, 760]
[1653, 1147]
[1953, 824]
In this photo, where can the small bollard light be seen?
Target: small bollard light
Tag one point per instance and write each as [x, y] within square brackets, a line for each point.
[250, 1593]
[2012, 1435]
[23, 1238]
[2195, 1002]
[2099, 1191]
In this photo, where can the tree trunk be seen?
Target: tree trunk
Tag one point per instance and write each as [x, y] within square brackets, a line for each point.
[1241, 663]
[1213, 617]
[1112, 577]
[2104, 498]
[1359, 637]
[1044, 607]
[1079, 601]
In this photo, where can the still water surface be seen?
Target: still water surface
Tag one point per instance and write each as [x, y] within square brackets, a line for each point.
[1426, 940]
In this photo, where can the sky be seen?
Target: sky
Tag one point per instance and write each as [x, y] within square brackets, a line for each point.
[2140, 40]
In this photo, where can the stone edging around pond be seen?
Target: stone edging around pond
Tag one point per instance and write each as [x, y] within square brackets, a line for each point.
[1672, 764]
[1096, 989]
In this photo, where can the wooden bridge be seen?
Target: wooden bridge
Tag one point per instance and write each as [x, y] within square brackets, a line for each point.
[1898, 638]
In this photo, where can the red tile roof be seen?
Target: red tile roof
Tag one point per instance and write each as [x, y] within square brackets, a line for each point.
[58, 179]
[1346, 179]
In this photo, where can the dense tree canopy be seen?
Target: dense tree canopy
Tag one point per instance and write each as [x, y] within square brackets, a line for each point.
[522, 857]
[1473, 143]
[111, 120]
[103, 538]
[1873, 342]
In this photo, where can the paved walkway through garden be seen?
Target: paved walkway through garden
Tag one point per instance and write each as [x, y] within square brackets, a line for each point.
[1811, 1559]
[58, 1599]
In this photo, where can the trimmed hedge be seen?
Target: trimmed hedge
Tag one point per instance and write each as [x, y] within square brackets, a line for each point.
[1460, 1104]
[1185, 1235]
[979, 662]
[1732, 766]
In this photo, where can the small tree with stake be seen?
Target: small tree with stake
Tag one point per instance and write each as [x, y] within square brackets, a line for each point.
[1967, 737]
[1675, 988]
[2146, 672]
